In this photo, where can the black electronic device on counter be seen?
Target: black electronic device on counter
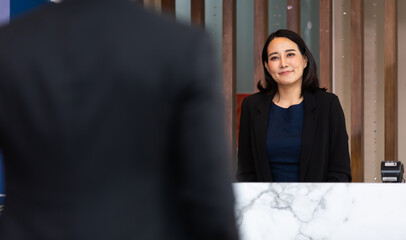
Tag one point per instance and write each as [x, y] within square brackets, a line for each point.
[392, 171]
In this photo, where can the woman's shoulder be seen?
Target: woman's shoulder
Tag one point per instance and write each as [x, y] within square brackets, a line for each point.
[256, 98]
[324, 99]
[323, 95]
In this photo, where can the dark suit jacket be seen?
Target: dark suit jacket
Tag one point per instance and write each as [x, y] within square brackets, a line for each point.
[110, 127]
[324, 153]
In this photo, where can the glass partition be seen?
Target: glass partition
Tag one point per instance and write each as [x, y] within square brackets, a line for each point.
[309, 27]
[245, 46]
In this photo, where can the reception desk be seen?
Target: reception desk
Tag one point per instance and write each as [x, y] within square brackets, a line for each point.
[320, 211]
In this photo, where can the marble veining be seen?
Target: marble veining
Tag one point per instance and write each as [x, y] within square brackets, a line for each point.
[320, 211]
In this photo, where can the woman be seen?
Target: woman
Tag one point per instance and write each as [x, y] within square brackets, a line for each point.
[292, 130]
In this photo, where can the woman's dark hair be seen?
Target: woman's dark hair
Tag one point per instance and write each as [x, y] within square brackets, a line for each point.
[310, 80]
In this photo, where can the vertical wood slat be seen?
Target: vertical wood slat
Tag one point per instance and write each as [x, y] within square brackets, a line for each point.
[229, 74]
[168, 7]
[197, 12]
[390, 76]
[152, 4]
[260, 36]
[293, 15]
[357, 90]
[325, 39]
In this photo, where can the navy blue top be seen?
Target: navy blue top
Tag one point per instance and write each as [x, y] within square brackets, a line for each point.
[283, 142]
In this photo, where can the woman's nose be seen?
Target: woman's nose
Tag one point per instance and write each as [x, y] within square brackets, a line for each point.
[283, 62]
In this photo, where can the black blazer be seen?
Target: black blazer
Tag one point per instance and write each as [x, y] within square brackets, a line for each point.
[324, 153]
[111, 127]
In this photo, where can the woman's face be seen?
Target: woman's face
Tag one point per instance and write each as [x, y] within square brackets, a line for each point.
[285, 62]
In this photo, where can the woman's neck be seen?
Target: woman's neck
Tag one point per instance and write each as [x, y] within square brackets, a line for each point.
[288, 96]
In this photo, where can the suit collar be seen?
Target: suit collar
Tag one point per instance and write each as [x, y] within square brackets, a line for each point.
[265, 104]
[260, 125]
[309, 101]
[308, 132]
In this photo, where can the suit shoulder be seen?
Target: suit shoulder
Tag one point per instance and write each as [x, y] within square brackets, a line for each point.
[322, 95]
[326, 100]
[255, 98]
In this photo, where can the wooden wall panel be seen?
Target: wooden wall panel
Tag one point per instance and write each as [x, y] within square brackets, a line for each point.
[197, 12]
[229, 73]
[357, 90]
[260, 36]
[168, 7]
[152, 4]
[293, 15]
[391, 82]
[325, 39]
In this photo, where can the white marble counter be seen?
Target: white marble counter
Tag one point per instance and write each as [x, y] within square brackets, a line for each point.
[302, 211]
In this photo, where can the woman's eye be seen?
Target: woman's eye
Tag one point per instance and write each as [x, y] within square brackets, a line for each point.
[273, 58]
[291, 54]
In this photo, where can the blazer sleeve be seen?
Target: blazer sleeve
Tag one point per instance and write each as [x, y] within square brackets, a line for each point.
[246, 169]
[339, 165]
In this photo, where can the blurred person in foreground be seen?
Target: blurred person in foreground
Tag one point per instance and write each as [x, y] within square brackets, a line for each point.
[292, 130]
[111, 127]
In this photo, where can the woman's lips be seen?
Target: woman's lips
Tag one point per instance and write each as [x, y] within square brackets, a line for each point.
[285, 72]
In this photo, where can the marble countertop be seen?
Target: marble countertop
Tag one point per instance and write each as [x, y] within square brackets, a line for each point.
[320, 211]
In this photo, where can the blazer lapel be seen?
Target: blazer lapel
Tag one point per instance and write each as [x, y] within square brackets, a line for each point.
[260, 125]
[308, 132]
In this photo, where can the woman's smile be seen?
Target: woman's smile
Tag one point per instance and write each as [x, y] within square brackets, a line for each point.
[285, 72]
